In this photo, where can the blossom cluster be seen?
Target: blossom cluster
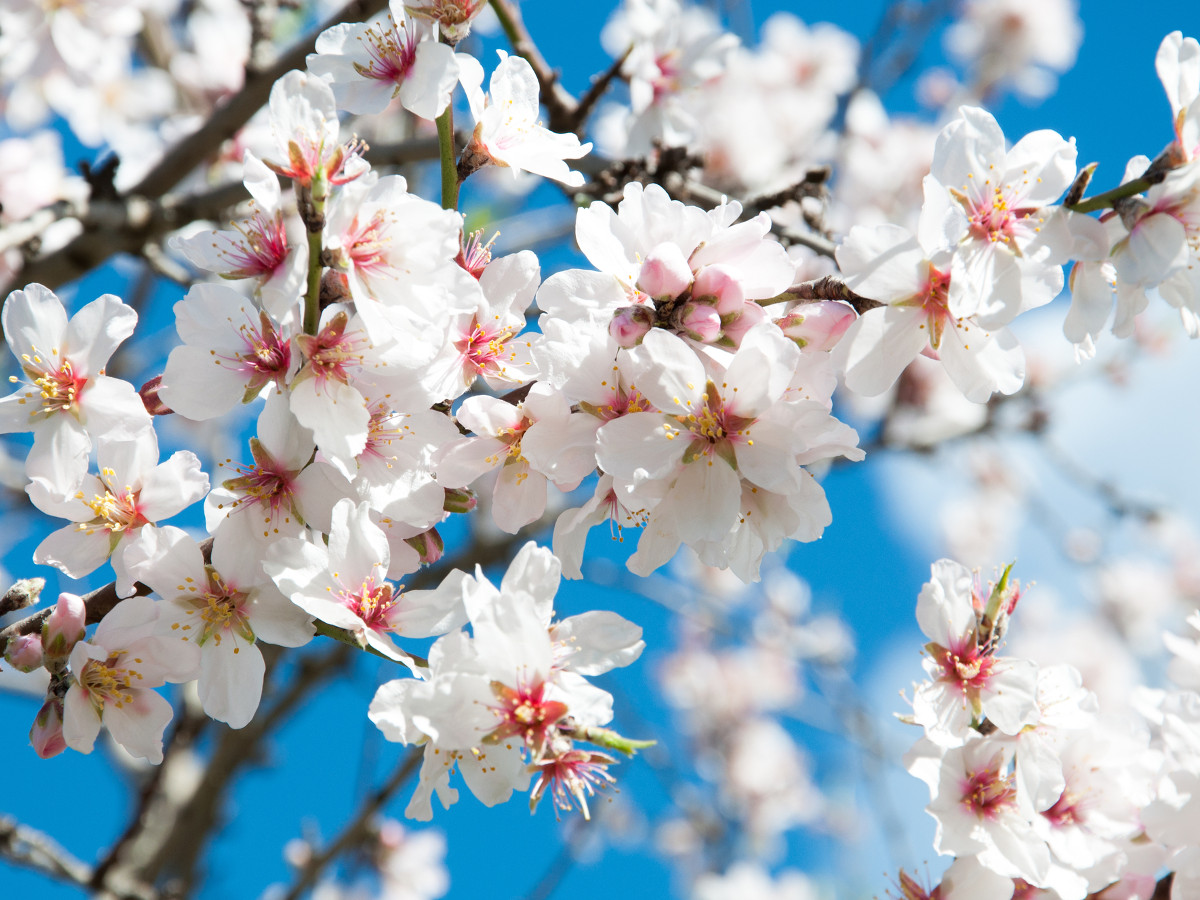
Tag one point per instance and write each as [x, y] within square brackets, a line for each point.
[684, 381]
[1032, 784]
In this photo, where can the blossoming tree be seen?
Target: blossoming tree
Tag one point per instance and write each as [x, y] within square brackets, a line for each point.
[322, 435]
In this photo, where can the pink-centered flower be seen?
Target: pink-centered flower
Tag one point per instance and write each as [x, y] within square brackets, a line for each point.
[231, 351]
[131, 490]
[391, 57]
[63, 396]
[969, 681]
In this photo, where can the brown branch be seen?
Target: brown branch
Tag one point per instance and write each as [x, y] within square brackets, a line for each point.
[30, 848]
[360, 826]
[830, 288]
[176, 829]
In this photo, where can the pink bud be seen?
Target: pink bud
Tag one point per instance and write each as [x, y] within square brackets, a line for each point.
[428, 544]
[24, 652]
[717, 285]
[459, 500]
[665, 273]
[739, 323]
[630, 324]
[46, 734]
[150, 399]
[819, 325]
[699, 321]
[64, 627]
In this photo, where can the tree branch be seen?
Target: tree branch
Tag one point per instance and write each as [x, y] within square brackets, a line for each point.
[359, 826]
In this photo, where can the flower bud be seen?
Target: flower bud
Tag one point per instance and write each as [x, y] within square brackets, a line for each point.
[737, 324]
[65, 626]
[428, 544]
[819, 325]
[699, 321]
[665, 273]
[24, 652]
[46, 735]
[459, 500]
[151, 400]
[718, 286]
[630, 324]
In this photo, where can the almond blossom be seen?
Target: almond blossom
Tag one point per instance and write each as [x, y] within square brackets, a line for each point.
[914, 281]
[345, 585]
[65, 398]
[964, 628]
[499, 698]
[507, 131]
[269, 246]
[223, 608]
[994, 207]
[392, 56]
[305, 124]
[231, 351]
[131, 491]
[113, 677]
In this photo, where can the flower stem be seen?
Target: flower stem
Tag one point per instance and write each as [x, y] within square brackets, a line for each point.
[312, 296]
[445, 128]
[1105, 200]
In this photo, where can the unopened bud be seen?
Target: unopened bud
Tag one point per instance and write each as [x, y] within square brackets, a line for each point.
[429, 546]
[630, 324]
[46, 735]
[817, 326]
[665, 273]
[64, 627]
[737, 324]
[717, 285]
[699, 321]
[459, 500]
[151, 399]
[24, 652]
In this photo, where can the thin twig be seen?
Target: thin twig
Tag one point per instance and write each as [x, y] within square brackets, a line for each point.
[359, 826]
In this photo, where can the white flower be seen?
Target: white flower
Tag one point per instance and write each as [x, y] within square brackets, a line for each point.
[132, 490]
[66, 396]
[113, 676]
[222, 609]
[369, 64]
[230, 352]
[886, 263]
[993, 205]
[345, 584]
[507, 131]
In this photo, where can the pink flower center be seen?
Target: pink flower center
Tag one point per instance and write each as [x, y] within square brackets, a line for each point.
[486, 349]
[267, 484]
[106, 682]
[524, 712]
[267, 356]
[262, 249]
[333, 354]
[967, 668]
[987, 793]
[59, 389]
[373, 603]
[391, 51]
[1068, 810]
[367, 243]
[572, 777]
[220, 608]
[116, 510]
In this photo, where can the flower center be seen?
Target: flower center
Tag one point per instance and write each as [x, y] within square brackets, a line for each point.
[105, 682]
[373, 603]
[987, 793]
[391, 50]
[262, 249]
[524, 712]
